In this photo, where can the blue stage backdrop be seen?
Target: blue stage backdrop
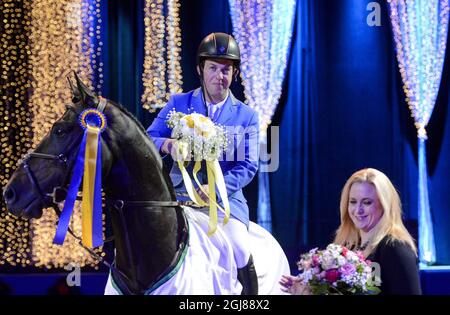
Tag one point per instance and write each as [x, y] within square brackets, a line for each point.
[342, 109]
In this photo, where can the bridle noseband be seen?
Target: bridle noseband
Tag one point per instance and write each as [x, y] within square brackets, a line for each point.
[48, 200]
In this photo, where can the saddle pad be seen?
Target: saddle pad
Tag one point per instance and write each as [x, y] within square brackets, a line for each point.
[208, 268]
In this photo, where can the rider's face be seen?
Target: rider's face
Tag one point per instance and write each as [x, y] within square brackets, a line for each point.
[217, 77]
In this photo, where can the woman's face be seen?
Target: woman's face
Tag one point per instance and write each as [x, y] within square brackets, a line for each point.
[364, 207]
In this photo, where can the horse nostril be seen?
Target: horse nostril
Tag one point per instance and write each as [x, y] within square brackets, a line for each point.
[9, 195]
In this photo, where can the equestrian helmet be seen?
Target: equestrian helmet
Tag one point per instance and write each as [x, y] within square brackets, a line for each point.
[219, 46]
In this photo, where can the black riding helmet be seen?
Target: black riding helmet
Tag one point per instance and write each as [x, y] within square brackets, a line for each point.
[219, 46]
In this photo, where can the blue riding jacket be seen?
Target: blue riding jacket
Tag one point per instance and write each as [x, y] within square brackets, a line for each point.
[240, 161]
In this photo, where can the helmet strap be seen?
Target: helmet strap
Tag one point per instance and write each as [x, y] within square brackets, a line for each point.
[236, 73]
[204, 90]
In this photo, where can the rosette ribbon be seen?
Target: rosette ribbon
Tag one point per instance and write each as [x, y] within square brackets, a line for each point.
[88, 166]
[215, 178]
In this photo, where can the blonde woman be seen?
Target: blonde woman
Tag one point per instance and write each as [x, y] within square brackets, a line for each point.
[371, 221]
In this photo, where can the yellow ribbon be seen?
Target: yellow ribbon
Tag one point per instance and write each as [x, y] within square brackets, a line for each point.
[189, 187]
[90, 164]
[215, 178]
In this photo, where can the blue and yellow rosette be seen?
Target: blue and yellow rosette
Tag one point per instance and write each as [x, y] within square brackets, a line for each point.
[89, 167]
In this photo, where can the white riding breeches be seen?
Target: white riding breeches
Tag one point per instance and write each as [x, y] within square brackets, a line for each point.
[238, 236]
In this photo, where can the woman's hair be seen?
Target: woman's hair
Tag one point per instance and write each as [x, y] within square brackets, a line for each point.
[390, 223]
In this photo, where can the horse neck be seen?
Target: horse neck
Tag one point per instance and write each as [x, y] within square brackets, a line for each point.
[145, 237]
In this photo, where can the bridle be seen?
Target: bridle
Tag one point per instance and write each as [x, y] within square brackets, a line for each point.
[51, 200]
[59, 193]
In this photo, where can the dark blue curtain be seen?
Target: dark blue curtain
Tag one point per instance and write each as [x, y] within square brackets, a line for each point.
[123, 53]
[344, 110]
[438, 155]
[291, 183]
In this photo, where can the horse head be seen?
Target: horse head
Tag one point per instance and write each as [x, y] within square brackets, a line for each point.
[42, 174]
[133, 176]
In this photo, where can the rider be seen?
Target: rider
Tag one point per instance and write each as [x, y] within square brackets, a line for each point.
[218, 60]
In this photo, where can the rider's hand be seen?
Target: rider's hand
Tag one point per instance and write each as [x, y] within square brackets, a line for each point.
[176, 149]
[167, 146]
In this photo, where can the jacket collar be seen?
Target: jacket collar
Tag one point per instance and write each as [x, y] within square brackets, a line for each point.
[227, 111]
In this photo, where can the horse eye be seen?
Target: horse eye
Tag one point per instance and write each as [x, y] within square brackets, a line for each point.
[59, 132]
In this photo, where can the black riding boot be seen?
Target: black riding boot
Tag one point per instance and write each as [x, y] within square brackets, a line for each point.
[248, 278]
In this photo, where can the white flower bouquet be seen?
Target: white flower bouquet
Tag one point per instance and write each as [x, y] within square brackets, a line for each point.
[199, 137]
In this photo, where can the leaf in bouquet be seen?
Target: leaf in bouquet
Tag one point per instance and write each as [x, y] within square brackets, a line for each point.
[343, 288]
[373, 290]
[318, 288]
[173, 119]
[336, 291]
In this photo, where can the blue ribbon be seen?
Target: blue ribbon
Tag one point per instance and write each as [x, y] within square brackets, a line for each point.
[94, 236]
[75, 182]
[97, 235]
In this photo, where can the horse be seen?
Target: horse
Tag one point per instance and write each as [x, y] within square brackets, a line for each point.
[160, 247]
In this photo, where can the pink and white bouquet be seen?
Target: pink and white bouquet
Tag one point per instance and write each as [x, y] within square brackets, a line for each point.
[336, 270]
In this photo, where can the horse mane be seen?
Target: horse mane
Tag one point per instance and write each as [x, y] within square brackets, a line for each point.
[156, 156]
[129, 115]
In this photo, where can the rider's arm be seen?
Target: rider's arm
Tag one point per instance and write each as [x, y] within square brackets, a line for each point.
[243, 171]
[158, 130]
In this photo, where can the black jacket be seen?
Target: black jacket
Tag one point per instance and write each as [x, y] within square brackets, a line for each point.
[398, 266]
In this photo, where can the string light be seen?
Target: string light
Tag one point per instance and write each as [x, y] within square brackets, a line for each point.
[15, 120]
[420, 35]
[92, 44]
[162, 42]
[263, 30]
[61, 39]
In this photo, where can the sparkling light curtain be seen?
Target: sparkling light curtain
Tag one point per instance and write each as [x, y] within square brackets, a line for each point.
[420, 34]
[263, 30]
[15, 120]
[162, 69]
[63, 36]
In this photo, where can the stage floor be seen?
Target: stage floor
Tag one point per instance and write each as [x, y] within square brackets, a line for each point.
[435, 280]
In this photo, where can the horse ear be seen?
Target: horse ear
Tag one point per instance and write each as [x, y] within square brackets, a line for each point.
[89, 99]
[76, 95]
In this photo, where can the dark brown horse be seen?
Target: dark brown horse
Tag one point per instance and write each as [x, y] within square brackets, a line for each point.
[133, 174]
